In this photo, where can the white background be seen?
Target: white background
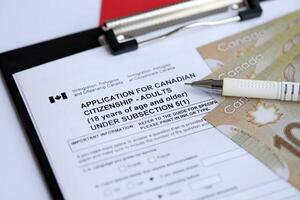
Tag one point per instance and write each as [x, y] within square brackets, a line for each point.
[23, 23]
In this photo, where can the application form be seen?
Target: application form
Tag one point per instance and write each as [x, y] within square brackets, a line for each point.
[127, 127]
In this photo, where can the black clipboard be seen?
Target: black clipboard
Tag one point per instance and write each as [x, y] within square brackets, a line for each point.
[24, 58]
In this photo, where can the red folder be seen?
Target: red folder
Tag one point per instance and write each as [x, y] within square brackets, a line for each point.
[112, 9]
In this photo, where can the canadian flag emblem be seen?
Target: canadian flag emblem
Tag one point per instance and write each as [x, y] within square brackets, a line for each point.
[62, 96]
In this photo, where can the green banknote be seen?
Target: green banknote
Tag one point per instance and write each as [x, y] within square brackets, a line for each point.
[269, 130]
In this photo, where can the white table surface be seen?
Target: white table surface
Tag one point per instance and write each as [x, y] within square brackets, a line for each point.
[23, 23]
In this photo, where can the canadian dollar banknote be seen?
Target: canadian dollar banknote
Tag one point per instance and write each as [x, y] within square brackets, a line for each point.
[269, 130]
[233, 48]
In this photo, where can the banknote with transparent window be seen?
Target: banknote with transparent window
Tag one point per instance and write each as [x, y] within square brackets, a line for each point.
[232, 49]
[269, 130]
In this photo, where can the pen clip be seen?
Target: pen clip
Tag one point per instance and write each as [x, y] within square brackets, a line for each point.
[119, 34]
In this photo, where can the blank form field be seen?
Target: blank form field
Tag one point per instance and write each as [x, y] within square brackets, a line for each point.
[205, 182]
[285, 193]
[264, 191]
[215, 159]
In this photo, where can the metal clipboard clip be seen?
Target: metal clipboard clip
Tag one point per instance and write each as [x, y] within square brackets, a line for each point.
[119, 34]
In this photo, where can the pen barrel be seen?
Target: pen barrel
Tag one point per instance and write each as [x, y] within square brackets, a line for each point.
[286, 91]
[290, 91]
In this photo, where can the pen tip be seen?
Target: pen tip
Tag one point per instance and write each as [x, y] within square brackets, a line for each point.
[188, 83]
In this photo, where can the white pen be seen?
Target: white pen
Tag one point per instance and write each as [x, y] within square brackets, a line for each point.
[285, 91]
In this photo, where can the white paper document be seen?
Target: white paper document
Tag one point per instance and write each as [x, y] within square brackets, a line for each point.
[130, 129]
[127, 128]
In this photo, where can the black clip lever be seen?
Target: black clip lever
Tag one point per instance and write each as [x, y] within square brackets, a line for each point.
[116, 47]
[254, 10]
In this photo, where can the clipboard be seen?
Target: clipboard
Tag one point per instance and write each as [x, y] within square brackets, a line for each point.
[24, 58]
[28, 57]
